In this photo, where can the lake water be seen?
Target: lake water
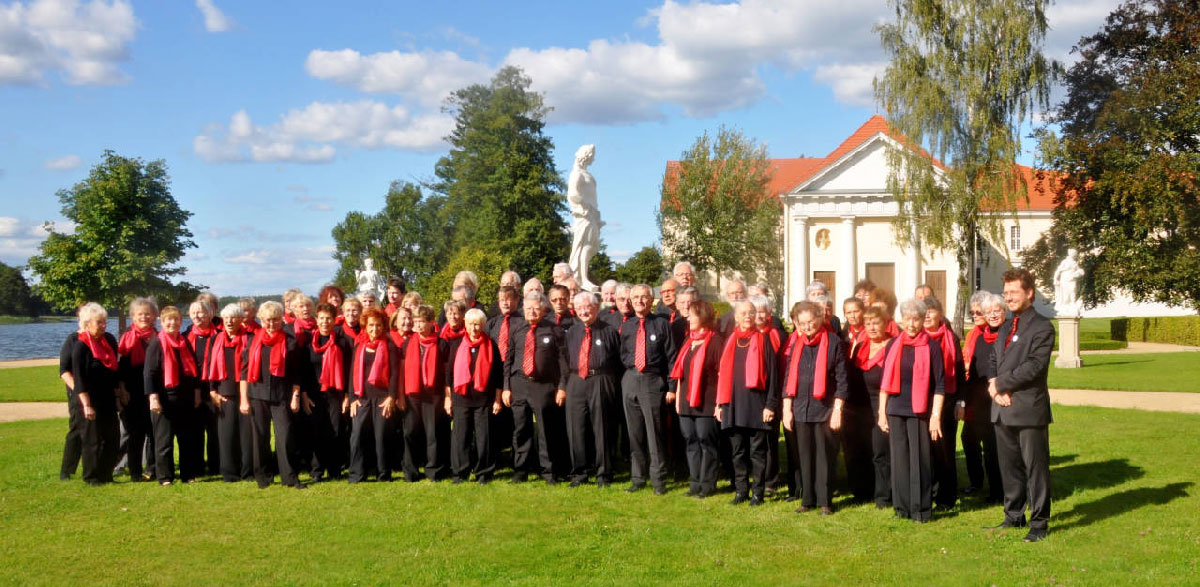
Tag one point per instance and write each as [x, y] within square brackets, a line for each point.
[42, 340]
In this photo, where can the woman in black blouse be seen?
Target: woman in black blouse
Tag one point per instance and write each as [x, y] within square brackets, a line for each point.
[329, 354]
[814, 394]
[695, 375]
[865, 371]
[173, 387]
[226, 373]
[374, 396]
[95, 376]
[913, 373]
[474, 376]
[273, 397]
[978, 434]
[747, 402]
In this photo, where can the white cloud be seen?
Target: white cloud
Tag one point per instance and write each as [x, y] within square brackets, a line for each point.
[19, 238]
[308, 135]
[266, 270]
[852, 83]
[215, 21]
[64, 163]
[82, 42]
[426, 77]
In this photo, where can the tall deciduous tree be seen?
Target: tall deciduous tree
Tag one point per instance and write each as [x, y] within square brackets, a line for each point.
[963, 77]
[1129, 156]
[716, 212]
[14, 292]
[644, 266]
[405, 239]
[129, 234]
[502, 189]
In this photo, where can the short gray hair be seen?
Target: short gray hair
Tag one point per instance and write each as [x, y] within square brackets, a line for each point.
[761, 303]
[992, 300]
[475, 315]
[535, 296]
[683, 264]
[561, 267]
[688, 290]
[143, 301]
[467, 291]
[913, 307]
[233, 310]
[977, 298]
[202, 304]
[90, 311]
[624, 285]
[270, 309]
[585, 298]
[608, 283]
[816, 286]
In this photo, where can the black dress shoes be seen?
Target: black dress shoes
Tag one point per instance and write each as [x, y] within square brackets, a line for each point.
[1005, 524]
[1036, 535]
[792, 498]
[577, 483]
[739, 499]
[660, 491]
[636, 487]
[756, 501]
[603, 483]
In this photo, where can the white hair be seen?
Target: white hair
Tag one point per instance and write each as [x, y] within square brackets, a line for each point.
[534, 284]
[475, 315]
[913, 308]
[991, 300]
[683, 264]
[270, 309]
[233, 310]
[611, 283]
[816, 286]
[760, 303]
[90, 311]
[562, 268]
[148, 302]
[535, 296]
[201, 304]
[585, 298]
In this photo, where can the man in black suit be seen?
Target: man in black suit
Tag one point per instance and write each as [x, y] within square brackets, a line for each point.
[1021, 407]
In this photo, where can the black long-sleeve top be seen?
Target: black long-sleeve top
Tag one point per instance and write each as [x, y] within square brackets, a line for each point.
[805, 407]
[303, 374]
[133, 376]
[92, 377]
[616, 318]
[604, 355]
[660, 348]
[564, 322]
[443, 350]
[395, 361]
[203, 345]
[549, 354]
[745, 410]
[475, 398]
[901, 403]
[980, 370]
[269, 387]
[230, 386]
[708, 381]
[67, 350]
[315, 360]
[153, 370]
[496, 322]
[872, 379]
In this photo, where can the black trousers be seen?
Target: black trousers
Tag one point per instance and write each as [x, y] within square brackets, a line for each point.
[329, 441]
[207, 444]
[263, 415]
[818, 453]
[370, 433]
[881, 457]
[1024, 454]
[471, 439]
[772, 475]
[791, 444]
[643, 397]
[176, 422]
[701, 436]
[749, 451]
[426, 437]
[533, 408]
[73, 444]
[99, 441]
[912, 475]
[979, 450]
[136, 430]
[858, 422]
[945, 462]
[236, 442]
[591, 425]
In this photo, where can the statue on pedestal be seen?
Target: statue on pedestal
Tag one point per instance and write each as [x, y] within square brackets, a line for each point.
[1066, 284]
[369, 280]
[585, 214]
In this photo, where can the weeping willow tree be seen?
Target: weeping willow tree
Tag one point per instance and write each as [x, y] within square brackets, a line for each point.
[964, 76]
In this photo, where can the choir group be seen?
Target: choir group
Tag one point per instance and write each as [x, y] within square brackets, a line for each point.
[576, 385]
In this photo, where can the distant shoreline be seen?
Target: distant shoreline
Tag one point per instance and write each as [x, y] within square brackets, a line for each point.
[34, 319]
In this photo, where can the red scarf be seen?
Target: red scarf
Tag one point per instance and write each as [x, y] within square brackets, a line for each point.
[101, 350]
[357, 337]
[332, 363]
[695, 396]
[390, 309]
[945, 339]
[381, 368]
[972, 339]
[133, 344]
[892, 329]
[773, 336]
[418, 373]
[920, 373]
[452, 333]
[215, 369]
[339, 320]
[288, 318]
[301, 327]
[483, 365]
[858, 337]
[397, 337]
[195, 332]
[170, 363]
[820, 369]
[278, 344]
[756, 376]
[251, 326]
[864, 360]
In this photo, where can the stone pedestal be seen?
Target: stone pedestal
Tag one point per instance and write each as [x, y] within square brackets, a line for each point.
[1068, 343]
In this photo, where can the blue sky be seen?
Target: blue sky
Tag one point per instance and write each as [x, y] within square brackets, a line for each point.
[276, 123]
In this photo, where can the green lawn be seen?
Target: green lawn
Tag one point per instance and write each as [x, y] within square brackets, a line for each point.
[1132, 372]
[32, 384]
[1125, 512]
[1094, 335]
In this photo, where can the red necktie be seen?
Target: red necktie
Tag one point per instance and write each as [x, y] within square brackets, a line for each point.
[639, 349]
[1012, 333]
[530, 347]
[504, 338]
[585, 352]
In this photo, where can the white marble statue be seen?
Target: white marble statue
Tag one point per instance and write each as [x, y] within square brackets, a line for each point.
[586, 223]
[1066, 284]
[370, 280]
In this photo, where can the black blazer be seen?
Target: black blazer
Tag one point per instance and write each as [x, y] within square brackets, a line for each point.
[1021, 371]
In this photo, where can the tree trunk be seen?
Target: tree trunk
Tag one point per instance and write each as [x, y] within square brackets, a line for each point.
[966, 273]
[120, 322]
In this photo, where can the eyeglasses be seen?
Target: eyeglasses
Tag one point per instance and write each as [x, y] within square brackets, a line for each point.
[663, 291]
[976, 313]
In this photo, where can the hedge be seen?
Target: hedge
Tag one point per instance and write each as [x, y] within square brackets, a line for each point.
[1183, 330]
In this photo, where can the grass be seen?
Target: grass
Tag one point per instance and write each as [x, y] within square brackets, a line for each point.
[31, 384]
[1132, 372]
[1125, 512]
[1094, 335]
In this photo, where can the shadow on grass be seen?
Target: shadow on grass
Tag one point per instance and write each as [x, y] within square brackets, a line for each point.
[1061, 459]
[1069, 479]
[1086, 514]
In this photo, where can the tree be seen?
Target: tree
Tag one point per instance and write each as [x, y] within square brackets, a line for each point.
[964, 75]
[716, 212]
[502, 190]
[405, 239]
[487, 264]
[129, 234]
[600, 267]
[14, 292]
[1129, 157]
[644, 266]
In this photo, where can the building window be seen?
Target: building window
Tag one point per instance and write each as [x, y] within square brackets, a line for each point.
[1014, 238]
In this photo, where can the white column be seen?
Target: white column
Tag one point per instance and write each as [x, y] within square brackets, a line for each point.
[912, 265]
[847, 274]
[798, 272]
